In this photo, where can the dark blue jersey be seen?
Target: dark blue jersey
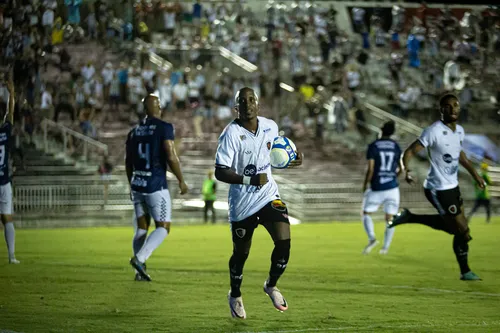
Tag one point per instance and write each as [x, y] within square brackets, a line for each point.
[5, 142]
[146, 154]
[386, 154]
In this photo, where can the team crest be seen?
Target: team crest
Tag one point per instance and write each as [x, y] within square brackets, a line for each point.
[452, 209]
[279, 205]
[240, 232]
[268, 145]
[242, 137]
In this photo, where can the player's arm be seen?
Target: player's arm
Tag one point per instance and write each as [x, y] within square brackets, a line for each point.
[369, 174]
[411, 151]
[227, 175]
[464, 161]
[12, 97]
[401, 167]
[174, 164]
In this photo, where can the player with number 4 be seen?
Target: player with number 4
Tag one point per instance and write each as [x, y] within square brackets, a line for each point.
[6, 209]
[381, 185]
[149, 148]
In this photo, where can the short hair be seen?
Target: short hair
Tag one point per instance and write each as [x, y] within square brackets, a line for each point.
[241, 91]
[146, 99]
[445, 96]
[388, 128]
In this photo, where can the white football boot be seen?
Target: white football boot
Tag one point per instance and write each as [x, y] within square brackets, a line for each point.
[277, 298]
[236, 306]
[370, 246]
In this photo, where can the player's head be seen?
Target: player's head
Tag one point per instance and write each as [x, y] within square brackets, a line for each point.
[210, 174]
[152, 105]
[388, 129]
[449, 107]
[246, 103]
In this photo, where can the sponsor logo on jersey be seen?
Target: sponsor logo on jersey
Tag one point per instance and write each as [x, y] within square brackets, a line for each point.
[248, 152]
[264, 167]
[384, 180]
[278, 205]
[267, 130]
[452, 209]
[240, 232]
[447, 158]
[250, 170]
[268, 145]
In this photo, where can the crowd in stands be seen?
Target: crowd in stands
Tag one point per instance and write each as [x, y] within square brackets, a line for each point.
[399, 58]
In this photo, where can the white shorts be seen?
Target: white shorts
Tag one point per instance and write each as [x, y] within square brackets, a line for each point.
[6, 199]
[389, 198]
[157, 204]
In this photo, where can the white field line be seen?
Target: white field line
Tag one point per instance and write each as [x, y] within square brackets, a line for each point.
[372, 327]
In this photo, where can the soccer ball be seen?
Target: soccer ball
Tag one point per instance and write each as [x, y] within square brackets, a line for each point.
[283, 151]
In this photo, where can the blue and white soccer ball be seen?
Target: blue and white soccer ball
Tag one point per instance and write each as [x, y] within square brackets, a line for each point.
[283, 152]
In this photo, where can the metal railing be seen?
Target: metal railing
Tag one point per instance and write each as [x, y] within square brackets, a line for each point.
[85, 144]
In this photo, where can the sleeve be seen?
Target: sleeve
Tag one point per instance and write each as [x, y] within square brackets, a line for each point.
[370, 153]
[426, 138]
[226, 151]
[168, 132]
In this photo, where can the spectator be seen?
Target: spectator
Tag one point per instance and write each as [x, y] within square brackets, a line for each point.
[104, 170]
[114, 92]
[73, 11]
[92, 24]
[86, 117]
[64, 103]
[123, 78]
[48, 22]
[88, 71]
[47, 106]
[107, 76]
[179, 95]
[209, 196]
[165, 93]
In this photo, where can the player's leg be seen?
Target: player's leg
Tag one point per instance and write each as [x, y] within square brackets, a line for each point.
[435, 221]
[274, 217]
[141, 225]
[205, 212]
[391, 206]
[453, 203]
[477, 204]
[487, 205]
[212, 209]
[242, 233]
[370, 205]
[160, 210]
[7, 221]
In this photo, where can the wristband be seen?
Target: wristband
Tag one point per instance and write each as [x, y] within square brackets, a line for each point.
[246, 180]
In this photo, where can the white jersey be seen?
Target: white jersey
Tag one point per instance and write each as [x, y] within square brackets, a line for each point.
[248, 154]
[443, 147]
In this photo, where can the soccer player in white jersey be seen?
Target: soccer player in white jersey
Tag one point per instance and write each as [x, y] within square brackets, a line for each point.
[243, 160]
[6, 209]
[149, 149]
[381, 186]
[443, 141]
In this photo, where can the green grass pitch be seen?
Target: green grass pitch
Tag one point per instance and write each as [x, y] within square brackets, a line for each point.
[79, 280]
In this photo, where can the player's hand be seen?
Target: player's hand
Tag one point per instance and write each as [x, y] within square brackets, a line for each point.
[259, 179]
[298, 160]
[183, 187]
[409, 178]
[480, 183]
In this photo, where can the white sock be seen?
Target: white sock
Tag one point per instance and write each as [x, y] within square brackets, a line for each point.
[368, 224]
[154, 240]
[10, 239]
[139, 239]
[389, 232]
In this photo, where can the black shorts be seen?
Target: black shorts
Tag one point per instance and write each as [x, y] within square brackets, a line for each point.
[447, 202]
[274, 211]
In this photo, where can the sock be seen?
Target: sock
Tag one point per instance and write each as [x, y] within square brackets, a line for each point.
[10, 239]
[388, 234]
[279, 260]
[368, 224]
[139, 239]
[236, 264]
[435, 221]
[461, 249]
[154, 240]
